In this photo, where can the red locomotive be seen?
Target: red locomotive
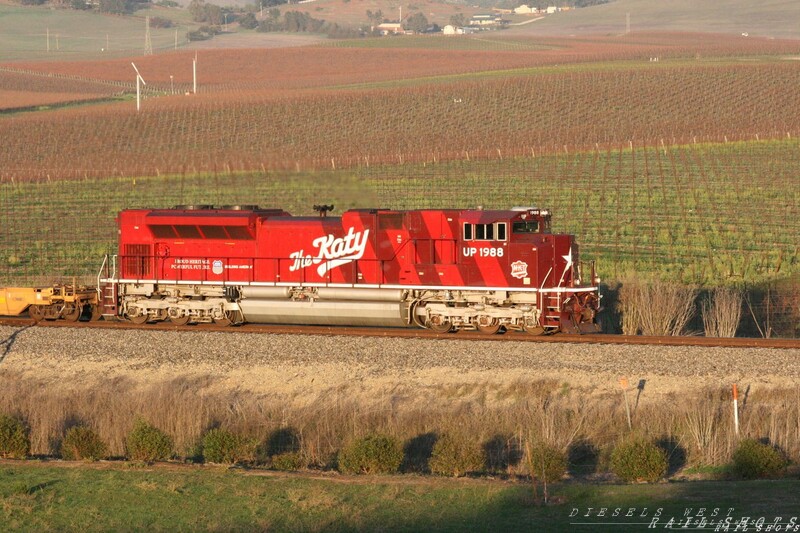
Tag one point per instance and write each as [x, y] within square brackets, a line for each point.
[440, 269]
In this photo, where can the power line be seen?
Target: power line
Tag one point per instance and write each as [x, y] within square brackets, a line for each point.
[148, 44]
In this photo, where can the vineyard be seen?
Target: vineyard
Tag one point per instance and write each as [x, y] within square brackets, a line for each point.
[443, 119]
[716, 214]
[686, 167]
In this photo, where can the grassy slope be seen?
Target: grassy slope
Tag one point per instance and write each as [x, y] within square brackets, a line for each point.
[772, 18]
[77, 34]
[41, 497]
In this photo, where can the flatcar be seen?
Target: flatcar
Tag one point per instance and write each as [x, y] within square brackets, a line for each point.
[441, 269]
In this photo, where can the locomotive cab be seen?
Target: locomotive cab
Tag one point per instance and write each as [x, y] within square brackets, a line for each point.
[530, 221]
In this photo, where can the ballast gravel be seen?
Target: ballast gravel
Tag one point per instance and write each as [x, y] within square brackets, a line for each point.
[262, 359]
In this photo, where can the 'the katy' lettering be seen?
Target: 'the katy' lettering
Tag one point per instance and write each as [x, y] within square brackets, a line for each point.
[334, 251]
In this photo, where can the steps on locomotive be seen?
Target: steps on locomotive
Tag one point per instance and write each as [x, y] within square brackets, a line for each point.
[108, 299]
[552, 307]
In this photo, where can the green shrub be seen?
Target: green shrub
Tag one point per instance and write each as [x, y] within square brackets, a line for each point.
[81, 442]
[753, 459]
[148, 443]
[546, 463]
[456, 457]
[287, 461]
[14, 440]
[638, 459]
[374, 454]
[225, 447]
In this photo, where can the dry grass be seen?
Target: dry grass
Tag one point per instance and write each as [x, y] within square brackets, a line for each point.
[654, 307]
[722, 312]
[697, 429]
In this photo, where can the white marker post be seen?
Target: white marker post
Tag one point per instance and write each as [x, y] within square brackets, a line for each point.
[623, 382]
[138, 88]
[735, 409]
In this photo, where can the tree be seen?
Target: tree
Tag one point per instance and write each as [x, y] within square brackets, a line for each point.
[213, 14]
[197, 8]
[115, 7]
[417, 23]
[458, 20]
[248, 21]
[375, 17]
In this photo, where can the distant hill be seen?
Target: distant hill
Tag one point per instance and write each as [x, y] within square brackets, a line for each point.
[354, 12]
[770, 18]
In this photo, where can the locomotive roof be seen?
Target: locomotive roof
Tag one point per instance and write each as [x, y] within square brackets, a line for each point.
[475, 216]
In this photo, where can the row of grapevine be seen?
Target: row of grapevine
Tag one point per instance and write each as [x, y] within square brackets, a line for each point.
[324, 129]
[713, 214]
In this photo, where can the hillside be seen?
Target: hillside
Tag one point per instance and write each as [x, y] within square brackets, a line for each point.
[770, 18]
[354, 12]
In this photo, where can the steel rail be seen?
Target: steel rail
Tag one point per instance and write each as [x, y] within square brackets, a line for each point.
[275, 329]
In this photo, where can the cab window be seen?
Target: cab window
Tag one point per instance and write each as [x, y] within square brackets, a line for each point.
[526, 226]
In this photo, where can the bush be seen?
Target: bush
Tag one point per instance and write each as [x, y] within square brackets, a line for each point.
[374, 454]
[82, 442]
[456, 457]
[753, 459]
[225, 447]
[14, 440]
[546, 463]
[638, 459]
[287, 461]
[148, 443]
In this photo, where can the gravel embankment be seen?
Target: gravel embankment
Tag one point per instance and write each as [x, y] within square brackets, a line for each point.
[292, 363]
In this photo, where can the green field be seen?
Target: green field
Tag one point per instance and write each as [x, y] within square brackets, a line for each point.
[127, 498]
[776, 18]
[492, 42]
[77, 35]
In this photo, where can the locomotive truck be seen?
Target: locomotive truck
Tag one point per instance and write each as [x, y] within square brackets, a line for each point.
[441, 269]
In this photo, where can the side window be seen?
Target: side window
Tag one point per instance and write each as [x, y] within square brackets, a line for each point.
[501, 231]
[485, 232]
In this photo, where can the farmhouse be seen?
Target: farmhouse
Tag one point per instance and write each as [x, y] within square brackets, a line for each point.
[391, 28]
[525, 9]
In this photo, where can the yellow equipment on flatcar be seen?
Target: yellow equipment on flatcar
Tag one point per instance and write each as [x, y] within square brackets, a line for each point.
[69, 302]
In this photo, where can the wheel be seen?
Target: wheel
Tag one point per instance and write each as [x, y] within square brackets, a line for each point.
[96, 313]
[179, 320]
[439, 324]
[533, 329]
[228, 318]
[36, 312]
[140, 319]
[71, 312]
[487, 325]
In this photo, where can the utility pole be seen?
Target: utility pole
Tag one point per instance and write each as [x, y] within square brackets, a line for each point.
[148, 45]
[194, 73]
[48, 39]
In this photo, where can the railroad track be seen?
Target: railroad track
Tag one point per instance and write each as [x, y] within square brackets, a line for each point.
[737, 342]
